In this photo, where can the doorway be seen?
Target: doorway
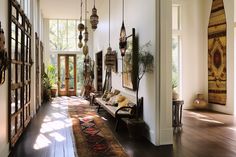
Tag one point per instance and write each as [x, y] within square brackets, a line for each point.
[66, 75]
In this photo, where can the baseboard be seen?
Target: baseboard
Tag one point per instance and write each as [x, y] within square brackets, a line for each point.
[166, 137]
[4, 152]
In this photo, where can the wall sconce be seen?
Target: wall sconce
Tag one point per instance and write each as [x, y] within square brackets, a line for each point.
[3, 56]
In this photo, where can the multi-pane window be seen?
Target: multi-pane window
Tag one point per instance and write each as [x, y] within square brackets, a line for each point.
[25, 5]
[176, 47]
[19, 72]
[63, 35]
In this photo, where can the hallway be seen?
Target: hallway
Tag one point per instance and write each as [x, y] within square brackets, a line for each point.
[203, 134]
[49, 134]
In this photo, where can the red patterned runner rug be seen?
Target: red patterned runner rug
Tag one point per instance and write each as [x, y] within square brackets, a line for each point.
[92, 136]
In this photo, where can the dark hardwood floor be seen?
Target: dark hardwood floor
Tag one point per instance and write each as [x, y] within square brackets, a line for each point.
[204, 134]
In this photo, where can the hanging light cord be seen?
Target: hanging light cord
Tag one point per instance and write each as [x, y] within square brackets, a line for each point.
[94, 3]
[81, 5]
[109, 20]
[123, 10]
[85, 13]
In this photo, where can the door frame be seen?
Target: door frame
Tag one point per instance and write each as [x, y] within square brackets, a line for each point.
[67, 92]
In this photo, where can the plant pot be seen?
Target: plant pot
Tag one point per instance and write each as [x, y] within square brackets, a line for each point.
[175, 95]
[200, 102]
[53, 92]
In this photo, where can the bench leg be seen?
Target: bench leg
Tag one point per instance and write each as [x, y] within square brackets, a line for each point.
[99, 106]
[117, 123]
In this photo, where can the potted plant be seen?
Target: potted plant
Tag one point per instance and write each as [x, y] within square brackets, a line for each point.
[145, 64]
[175, 95]
[52, 75]
[46, 87]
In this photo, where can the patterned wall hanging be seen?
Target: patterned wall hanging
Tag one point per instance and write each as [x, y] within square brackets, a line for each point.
[217, 67]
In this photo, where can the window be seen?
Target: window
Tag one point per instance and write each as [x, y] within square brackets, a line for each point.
[176, 47]
[176, 61]
[19, 72]
[176, 17]
[63, 35]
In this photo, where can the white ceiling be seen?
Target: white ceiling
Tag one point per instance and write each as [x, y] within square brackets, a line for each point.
[64, 9]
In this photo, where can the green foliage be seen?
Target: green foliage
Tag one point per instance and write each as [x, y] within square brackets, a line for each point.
[146, 59]
[52, 75]
[80, 64]
[46, 87]
[174, 81]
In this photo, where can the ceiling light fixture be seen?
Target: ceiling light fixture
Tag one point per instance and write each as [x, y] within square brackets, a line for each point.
[81, 27]
[123, 38]
[94, 18]
[85, 48]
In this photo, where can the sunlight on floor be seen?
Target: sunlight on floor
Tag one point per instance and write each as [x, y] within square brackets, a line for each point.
[41, 142]
[58, 137]
[210, 121]
[234, 129]
[204, 118]
[55, 124]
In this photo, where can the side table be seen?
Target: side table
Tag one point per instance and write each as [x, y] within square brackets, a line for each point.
[177, 113]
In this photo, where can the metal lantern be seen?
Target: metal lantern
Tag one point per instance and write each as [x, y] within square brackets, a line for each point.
[81, 27]
[85, 49]
[94, 18]
[123, 40]
[80, 44]
[109, 50]
[86, 35]
[80, 40]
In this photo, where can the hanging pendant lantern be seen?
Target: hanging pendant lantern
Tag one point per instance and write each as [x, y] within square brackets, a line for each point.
[85, 49]
[81, 27]
[86, 35]
[109, 50]
[123, 38]
[94, 18]
[80, 40]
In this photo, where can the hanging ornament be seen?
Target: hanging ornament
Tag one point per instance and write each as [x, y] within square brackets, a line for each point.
[86, 35]
[81, 27]
[123, 38]
[86, 28]
[94, 18]
[85, 49]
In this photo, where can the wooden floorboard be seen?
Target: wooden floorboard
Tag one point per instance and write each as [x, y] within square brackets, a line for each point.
[204, 134]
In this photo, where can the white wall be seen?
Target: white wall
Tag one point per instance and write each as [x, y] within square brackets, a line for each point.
[229, 11]
[193, 57]
[4, 88]
[144, 17]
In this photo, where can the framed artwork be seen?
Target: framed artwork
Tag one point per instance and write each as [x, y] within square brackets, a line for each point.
[129, 64]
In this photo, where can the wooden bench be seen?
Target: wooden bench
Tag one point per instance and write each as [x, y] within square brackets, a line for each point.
[115, 111]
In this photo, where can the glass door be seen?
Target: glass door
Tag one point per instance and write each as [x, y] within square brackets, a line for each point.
[67, 75]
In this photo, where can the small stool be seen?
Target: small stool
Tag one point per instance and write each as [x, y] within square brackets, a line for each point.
[177, 113]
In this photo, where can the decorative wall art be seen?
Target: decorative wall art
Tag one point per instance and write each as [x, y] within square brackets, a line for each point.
[217, 67]
[129, 64]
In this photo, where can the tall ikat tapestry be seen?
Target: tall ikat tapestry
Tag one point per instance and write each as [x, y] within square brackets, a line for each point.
[217, 67]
